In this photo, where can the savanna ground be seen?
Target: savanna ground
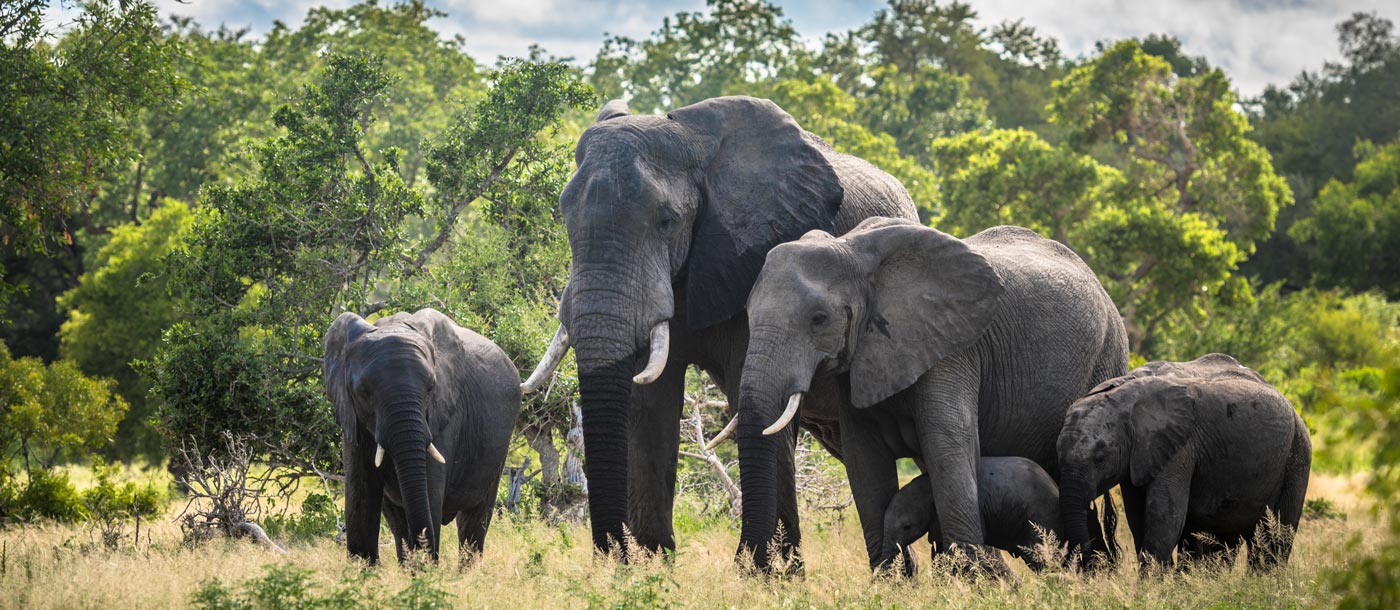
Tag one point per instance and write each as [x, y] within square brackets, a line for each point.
[531, 564]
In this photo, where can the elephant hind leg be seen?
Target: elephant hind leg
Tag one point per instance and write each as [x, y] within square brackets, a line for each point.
[1287, 508]
[471, 532]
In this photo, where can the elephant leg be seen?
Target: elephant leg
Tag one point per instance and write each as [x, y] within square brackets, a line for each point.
[1287, 507]
[398, 524]
[946, 422]
[471, 531]
[788, 524]
[653, 443]
[1165, 513]
[1134, 505]
[364, 493]
[874, 479]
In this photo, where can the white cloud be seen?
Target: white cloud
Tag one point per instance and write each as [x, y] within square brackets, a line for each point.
[1256, 42]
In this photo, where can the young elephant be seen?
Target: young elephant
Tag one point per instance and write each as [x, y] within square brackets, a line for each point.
[1012, 494]
[408, 388]
[1201, 447]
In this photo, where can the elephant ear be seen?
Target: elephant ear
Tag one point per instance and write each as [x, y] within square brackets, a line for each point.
[766, 182]
[1160, 425]
[931, 297]
[611, 110]
[344, 331]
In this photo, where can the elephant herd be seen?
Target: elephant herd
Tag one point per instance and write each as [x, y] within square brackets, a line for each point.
[726, 237]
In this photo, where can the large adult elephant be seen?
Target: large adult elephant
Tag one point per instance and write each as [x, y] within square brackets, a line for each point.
[669, 220]
[945, 349]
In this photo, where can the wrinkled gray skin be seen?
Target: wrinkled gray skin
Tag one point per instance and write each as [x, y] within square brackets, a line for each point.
[944, 350]
[669, 218]
[405, 381]
[1012, 494]
[1198, 447]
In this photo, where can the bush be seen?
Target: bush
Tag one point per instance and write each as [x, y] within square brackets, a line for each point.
[319, 518]
[48, 495]
[286, 586]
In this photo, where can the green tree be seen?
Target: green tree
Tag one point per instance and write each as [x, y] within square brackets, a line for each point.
[1311, 127]
[1354, 233]
[69, 101]
[1015, 177]
[1198, 193]
[324, 226]
[117, 313]
[699, 55]
[52, 411]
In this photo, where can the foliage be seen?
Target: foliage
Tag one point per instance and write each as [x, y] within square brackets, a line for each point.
[293, 587]
[117, 312]
[318, 518]
[698, 55]
[1198, 193]
[52, 411]
[1354, 232]
[1015, 177]
[65, 110]
[325, 226]
[1373, 579]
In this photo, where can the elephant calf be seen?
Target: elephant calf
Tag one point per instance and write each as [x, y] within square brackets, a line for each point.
[426, 408]
[1200, 447]
[1012, 494]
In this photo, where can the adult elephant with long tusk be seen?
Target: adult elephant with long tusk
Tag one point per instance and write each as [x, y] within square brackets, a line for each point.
[669, 219]
[426, 408]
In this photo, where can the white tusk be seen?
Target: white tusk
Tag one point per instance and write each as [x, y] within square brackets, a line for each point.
[786, 417]
[723, 434]
[378, 455]
[660, 347]
[558, 346]
[437, 455]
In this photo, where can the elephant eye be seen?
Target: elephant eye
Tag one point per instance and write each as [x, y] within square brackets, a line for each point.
[666, 222]
[819, 320]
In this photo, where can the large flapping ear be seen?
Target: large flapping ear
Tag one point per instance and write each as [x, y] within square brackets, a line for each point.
[1160, 425]
[766, 183]
[931, 297]
[344, 331]
[612, 109]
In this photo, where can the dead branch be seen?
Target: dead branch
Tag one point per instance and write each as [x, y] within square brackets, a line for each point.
[225, 496]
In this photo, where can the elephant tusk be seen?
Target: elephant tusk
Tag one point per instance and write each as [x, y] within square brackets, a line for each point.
[723, 434]
[558, 346]
[378, 455]
[660, 347]
[786, 417]
[437, 455]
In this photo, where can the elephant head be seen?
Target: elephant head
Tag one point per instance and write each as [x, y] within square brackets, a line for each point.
[691, 200]
[909, 516]
[381, 382]
[883, 304]
[1122, 431]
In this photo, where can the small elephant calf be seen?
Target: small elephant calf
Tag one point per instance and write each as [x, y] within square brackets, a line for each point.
[1200, 447]
[1013, 493]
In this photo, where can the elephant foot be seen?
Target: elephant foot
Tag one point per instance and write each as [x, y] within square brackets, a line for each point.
[775, 561]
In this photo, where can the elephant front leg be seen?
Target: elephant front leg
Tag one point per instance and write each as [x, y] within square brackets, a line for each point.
[364, 493]
[945, 411]
[1164, 514]
[874, 479]
[653, 443]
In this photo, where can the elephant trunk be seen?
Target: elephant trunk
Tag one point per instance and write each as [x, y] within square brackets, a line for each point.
[760, 402]
[407, 438]
[1075, 498]
[609, 309]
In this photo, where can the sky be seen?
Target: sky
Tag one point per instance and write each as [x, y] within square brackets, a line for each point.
[1257, 42]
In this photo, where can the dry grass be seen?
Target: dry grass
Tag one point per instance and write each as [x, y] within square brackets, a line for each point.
[532, 565]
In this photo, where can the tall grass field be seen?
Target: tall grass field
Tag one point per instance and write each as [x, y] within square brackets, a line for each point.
[531, 564]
